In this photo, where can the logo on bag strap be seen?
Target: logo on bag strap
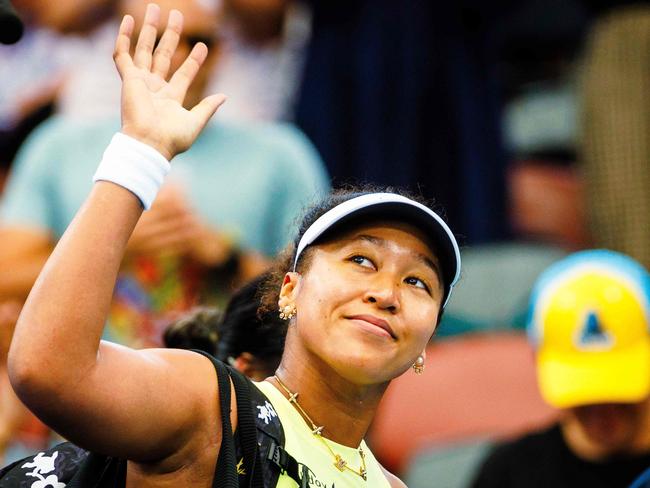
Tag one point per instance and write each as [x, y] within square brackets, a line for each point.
[42, 465]
[266, 412]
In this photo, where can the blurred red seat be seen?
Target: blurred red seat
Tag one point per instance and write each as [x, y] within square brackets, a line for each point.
[474, 386]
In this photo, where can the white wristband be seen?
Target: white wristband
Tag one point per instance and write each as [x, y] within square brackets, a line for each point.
[135, 166]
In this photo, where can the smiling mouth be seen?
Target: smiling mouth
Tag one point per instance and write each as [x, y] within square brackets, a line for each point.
[374, 325]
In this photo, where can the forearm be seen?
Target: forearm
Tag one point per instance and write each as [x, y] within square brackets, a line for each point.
[58, 333]
[102, 396]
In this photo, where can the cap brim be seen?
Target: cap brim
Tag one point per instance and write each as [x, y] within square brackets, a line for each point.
[444, 245]
[570, 379]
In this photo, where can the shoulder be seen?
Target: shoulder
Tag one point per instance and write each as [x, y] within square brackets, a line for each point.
[59, 126]
[61, 135]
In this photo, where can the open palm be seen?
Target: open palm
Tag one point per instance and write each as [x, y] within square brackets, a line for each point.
[152, 106]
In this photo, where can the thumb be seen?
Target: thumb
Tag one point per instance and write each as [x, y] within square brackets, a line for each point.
[207, 107]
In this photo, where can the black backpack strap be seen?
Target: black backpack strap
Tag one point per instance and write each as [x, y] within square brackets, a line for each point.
[99, 471]
[247, 429]
[225, 474]
[271, 436]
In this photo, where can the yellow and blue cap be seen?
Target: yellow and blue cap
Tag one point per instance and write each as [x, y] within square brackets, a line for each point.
[589, 321]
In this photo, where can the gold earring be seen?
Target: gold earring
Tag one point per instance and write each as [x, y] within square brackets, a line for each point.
[418, 365]
[288, 312]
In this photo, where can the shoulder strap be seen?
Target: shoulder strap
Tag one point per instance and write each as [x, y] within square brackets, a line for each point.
[247, 429]
[225, 475]
[286, 463]
[248, 395]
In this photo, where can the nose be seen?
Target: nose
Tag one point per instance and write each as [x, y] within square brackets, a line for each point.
[384, 292]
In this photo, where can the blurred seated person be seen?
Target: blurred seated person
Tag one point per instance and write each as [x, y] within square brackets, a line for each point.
[261, 44]
[197, 329]
[228, 205]
[33, 71]
[264, 49]
[249, 339]
[590, 329]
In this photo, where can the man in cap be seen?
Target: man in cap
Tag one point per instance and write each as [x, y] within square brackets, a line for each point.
[589, 324]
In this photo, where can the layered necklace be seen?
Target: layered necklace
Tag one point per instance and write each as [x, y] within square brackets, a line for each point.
[340, 463]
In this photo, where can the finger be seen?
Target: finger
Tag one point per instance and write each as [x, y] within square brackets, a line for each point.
[185, 74]
[147, 37]
[162, 56]
[207, 107]
[121, 54]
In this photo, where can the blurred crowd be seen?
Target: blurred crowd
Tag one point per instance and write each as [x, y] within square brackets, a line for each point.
[527, 122]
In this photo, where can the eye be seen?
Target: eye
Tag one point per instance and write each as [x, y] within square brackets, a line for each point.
[417, 282]
[362, 261]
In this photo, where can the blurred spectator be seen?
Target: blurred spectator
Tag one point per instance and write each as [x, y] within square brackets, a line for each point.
[616, 130]
[33, 71]
[539, 52]
[261, 44]
[228, 205]
[198, 329]
[264, 44]
[250, 340]
[589, 324]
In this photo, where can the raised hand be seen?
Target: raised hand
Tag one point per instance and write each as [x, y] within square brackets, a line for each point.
[152, 106]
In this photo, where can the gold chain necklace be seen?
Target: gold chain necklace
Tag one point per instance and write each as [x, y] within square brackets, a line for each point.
[340, 463]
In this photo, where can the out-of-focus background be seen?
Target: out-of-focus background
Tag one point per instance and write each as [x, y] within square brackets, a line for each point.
[527, 121]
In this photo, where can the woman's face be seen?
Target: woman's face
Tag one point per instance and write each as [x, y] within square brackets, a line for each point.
[368, 302]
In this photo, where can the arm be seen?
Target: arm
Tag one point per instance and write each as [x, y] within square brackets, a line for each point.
[100, 395]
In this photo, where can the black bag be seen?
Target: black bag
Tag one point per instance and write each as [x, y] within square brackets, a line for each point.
[258, 444]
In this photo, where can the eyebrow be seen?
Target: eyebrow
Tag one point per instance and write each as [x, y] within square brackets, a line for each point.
[421, 257]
